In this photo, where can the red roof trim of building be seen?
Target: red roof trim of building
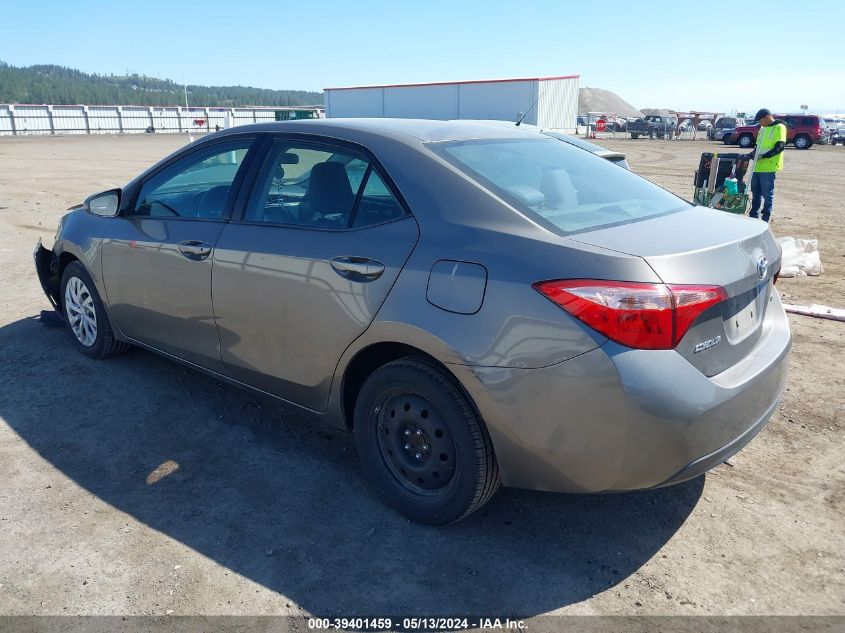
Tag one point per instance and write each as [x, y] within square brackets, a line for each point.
[454, 83]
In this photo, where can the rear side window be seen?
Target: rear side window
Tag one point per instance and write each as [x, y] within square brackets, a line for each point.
[809, 121]
[197, 186]
[377, 203]
[563, 187]
[320, 187]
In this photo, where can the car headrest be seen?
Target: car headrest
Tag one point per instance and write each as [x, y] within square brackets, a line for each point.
[213, 202]
[329, 190]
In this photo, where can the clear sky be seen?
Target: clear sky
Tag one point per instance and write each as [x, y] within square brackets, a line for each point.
[695, 55]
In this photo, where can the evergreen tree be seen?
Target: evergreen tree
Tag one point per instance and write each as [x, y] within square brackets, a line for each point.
[59, 85]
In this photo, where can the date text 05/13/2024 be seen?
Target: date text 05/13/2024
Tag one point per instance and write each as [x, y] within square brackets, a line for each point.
[414, 624]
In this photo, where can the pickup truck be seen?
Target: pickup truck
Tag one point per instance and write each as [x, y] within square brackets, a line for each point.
[653, 125]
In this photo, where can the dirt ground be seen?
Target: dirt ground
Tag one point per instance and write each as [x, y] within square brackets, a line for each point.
[136, 486]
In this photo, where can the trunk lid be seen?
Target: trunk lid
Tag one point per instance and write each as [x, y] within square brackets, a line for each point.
[708, 247]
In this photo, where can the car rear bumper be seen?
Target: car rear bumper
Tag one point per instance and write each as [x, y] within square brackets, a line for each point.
[618, 419]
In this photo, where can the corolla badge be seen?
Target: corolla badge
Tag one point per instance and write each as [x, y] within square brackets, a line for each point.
[762, 267]
[707, 344]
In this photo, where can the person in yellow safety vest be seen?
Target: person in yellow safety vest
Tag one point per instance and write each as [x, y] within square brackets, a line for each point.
[771, 141]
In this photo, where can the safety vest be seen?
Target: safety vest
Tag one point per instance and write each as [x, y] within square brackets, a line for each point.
[766, 139]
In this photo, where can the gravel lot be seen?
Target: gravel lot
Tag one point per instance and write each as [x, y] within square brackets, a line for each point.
[135, 486]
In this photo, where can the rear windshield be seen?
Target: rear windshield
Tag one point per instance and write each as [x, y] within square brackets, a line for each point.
[562, 187]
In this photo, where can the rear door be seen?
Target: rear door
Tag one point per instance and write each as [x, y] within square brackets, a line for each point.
[157, 257]
[322, 236]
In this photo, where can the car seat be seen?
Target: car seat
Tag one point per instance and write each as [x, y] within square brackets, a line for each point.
[329, 193]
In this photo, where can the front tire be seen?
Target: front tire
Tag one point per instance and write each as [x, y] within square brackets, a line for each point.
[85, 315]
[746, 141]
[422, 445]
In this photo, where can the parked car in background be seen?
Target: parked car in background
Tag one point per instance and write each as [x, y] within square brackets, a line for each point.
[617, 124]
[476, 303]
[833, 125]
[802, 131]
[838, 136]
[653, 125]
[723, 128]
[705, 125]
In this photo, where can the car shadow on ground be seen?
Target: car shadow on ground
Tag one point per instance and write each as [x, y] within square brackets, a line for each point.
[275, 496]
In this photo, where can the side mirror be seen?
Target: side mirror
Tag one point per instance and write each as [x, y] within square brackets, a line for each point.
[105, 204]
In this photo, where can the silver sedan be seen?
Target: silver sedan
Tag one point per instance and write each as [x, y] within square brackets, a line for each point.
[478, 304]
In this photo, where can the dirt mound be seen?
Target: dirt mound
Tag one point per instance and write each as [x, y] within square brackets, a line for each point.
[598, 100]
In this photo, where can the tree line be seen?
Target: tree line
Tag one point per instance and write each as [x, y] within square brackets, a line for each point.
[58, 85]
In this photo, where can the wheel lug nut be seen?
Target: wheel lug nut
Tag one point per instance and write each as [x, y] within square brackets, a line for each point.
[407, 447]
[419, 431]
[407, 431]
[425, 447]
[418, 456]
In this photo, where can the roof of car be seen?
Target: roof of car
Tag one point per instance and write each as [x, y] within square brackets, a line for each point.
[424, 130]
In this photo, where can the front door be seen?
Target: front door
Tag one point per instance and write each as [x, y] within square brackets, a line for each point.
[321, 243]
[157, 258]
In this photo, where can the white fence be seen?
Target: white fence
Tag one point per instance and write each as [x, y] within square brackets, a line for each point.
[82, 119]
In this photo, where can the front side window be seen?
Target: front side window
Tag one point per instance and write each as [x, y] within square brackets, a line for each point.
[319, 187]
[561, 186]
[198, 186]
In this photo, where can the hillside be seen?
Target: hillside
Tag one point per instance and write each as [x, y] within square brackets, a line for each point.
[59, 85]
[598, 100]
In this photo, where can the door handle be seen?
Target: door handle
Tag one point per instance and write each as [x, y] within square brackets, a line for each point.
[194, 249]
[357, 268]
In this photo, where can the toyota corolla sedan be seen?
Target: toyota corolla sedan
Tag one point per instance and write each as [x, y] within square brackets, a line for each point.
[478, 304]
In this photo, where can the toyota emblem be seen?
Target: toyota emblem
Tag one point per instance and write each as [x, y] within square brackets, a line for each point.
[762, 267]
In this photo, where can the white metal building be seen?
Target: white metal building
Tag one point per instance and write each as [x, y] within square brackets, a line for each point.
[548, 102]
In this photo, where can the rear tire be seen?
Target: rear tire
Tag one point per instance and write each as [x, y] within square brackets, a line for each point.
[422, 445]
[745, 141]
[802, 142]
[726, 139]
[85, 315]
[635, 136]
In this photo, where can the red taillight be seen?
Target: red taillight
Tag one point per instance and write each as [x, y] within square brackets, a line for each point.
[638, 315]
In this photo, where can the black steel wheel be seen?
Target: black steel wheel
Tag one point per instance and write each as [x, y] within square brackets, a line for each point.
[421, 443]
[416, 442]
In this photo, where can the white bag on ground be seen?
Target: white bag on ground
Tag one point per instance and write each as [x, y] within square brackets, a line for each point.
[800, 257]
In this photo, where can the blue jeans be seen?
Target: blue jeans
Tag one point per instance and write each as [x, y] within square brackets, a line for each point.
[762, 186]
